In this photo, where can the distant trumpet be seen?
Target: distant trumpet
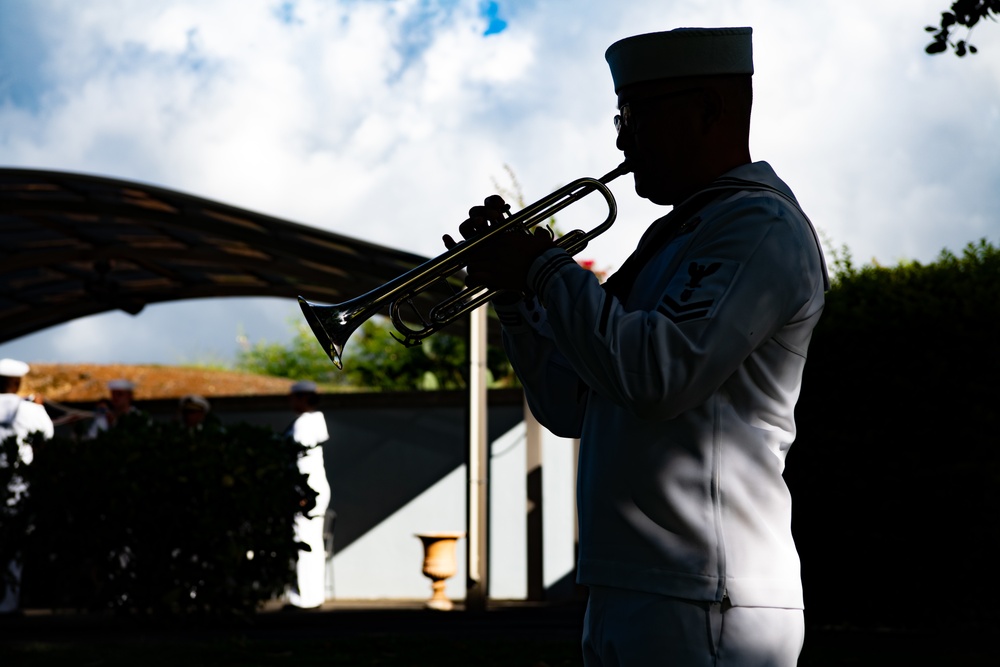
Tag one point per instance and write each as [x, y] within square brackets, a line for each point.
[334, 324]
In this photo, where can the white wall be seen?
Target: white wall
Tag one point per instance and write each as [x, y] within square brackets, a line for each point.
[386, 562]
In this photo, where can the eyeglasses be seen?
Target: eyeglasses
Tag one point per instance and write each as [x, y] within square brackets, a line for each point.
[623, 119]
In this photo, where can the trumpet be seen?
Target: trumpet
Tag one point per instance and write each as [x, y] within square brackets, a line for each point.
[333, 324]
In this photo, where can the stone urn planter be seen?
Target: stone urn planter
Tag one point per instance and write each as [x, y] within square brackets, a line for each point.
[439, 564]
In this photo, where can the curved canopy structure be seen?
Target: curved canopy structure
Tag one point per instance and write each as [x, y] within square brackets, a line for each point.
[73, 245]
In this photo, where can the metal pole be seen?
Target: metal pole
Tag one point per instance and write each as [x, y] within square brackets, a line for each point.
[533, 469]
[477, 554]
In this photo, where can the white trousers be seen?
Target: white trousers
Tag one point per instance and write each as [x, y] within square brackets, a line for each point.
[633, 629]
[310, 568]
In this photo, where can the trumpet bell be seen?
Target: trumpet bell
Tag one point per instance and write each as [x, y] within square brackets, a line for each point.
[332, 326]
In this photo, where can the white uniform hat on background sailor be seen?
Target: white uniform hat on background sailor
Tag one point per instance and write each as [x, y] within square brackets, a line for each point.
[196, 401]
[121, 385]
[12, 368]
[303, 387]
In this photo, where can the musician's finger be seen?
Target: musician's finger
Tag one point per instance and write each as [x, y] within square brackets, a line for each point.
[472, 227]
[544, 232]
[496, 203]
[489, 216]
[494, 215]
[449, 242]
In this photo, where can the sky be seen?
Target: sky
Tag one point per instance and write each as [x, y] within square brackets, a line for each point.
[386, 120]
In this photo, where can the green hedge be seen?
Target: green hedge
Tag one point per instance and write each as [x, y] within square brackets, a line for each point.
[895, 474]
[150, 518]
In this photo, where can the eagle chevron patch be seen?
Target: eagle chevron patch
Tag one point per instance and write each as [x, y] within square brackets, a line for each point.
[696, 290]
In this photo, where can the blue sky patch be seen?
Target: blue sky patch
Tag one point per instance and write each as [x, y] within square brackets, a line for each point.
[24, 69]
[285, 12]
[491, 12]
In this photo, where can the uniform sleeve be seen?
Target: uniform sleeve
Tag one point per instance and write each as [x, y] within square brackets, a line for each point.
[310, 429]
[37, 420]
[735, 284]
[554, 391]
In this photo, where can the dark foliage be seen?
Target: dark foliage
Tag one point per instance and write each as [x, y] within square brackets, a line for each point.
[896, 469]
[150, 518]
[376, 361]
[965, 13]
[13, 520]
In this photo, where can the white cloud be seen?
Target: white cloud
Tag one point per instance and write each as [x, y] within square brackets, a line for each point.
[387, 120]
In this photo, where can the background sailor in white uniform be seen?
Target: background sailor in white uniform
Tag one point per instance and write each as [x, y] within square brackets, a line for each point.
[20, 417]
[309, 429]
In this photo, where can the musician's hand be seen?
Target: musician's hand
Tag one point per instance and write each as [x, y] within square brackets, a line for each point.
[503, 262]
[481, 218]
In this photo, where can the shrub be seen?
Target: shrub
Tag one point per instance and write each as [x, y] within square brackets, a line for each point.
[895, 473]
[150, 518]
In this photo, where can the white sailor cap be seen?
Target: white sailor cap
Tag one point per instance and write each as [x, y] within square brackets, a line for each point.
[195, 400]
[680, 52]
[303, 387]
[121, 385]
[12, 368]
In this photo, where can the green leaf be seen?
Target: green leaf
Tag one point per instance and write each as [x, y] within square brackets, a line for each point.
[936, 47]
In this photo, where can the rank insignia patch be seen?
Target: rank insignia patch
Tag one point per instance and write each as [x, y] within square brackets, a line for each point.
[693, 293]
